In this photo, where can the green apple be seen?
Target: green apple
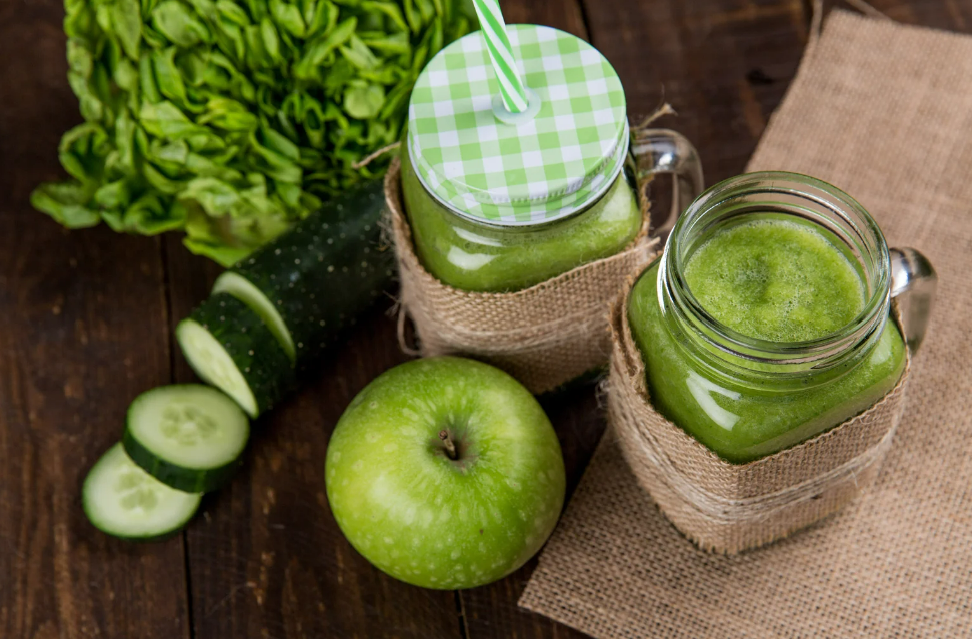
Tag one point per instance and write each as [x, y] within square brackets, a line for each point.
[445, 473]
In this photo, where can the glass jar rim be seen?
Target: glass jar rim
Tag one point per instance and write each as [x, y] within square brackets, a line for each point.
[626, 166]
[858, 227]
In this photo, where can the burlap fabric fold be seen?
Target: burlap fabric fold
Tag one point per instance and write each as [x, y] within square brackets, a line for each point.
[544, 336]
[883, 111]
[727, 507]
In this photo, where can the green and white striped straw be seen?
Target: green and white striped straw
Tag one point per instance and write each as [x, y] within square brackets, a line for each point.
[501, 54]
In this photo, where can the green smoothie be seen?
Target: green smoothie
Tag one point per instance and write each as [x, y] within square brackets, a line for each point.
[475, 256]
[773, 280]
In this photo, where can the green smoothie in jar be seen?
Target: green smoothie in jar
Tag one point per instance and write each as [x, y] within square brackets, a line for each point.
[474, 256]
[501, 201]
[766, 321]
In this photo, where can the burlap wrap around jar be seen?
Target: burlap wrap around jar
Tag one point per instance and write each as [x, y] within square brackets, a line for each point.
[726, 507]
[544, 335]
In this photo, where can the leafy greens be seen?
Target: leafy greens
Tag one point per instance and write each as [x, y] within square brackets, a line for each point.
[231, 119]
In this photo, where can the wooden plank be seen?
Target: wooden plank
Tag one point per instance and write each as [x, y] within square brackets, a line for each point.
[951, 15]
[566, 15]
[82, 331]
[267, 559]
[724, 65]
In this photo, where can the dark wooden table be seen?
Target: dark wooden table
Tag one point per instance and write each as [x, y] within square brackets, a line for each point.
[86, 324]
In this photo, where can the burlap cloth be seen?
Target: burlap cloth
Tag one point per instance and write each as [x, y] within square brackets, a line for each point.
[544, 336]
[727, 507]
[883, 111]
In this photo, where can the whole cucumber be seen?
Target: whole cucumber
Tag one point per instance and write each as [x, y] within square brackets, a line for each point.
[310, 284]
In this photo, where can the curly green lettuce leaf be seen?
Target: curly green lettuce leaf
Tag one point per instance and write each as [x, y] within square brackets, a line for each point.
[229, 120]
[66, 203]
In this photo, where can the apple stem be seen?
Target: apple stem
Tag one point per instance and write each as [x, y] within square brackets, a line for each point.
[450, 446]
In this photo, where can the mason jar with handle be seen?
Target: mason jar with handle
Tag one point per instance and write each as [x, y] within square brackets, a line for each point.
[767, 320]
[499, 201]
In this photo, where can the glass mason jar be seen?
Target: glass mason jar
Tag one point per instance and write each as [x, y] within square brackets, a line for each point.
[500, 201]
[746, 397]
[474, 255]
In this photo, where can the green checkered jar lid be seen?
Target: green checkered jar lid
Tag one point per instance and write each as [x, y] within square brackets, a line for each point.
[554, 159]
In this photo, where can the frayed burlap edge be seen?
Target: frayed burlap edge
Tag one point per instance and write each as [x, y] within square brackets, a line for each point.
[544, 336]
[729, 508]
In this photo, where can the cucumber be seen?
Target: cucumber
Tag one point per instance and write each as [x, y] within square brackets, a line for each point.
[230, 347]
[311, 283]
[244, 290]
[122, 500]
[190, 437]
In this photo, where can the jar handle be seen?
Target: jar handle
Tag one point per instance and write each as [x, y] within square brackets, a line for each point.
[913, 284]
[660, 151]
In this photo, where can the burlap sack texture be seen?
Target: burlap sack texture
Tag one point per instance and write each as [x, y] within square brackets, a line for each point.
[883, 111]
[544, 336]
[727, 507]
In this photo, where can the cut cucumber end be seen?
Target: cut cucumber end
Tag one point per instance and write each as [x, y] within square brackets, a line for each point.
[245, 291]
[231, 348]
[312, 282]
[214, 365]
[122, 500]
[189, 437]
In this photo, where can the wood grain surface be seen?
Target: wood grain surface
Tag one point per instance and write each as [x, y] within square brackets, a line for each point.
[86, 322]
[83, 329]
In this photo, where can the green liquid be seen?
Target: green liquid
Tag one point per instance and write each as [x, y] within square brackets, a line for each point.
[775, 280]
[778, 281]
[472, 256]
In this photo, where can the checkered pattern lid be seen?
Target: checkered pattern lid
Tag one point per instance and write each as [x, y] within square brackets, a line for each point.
[507, 169]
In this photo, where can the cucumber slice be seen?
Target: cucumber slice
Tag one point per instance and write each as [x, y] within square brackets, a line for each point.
[190, 437]
[123, 500]
[311, 283]
[230, 347]
[245, 291]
